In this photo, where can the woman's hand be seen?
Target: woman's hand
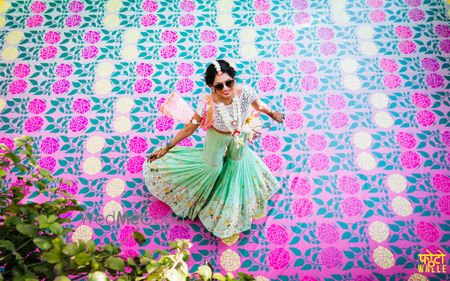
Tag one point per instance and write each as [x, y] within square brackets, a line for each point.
[277, 116]
[158, 154]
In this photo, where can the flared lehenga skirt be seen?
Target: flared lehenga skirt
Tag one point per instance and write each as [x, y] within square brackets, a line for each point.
[224, 186]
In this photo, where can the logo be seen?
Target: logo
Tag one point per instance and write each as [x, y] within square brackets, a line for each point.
[432, 263]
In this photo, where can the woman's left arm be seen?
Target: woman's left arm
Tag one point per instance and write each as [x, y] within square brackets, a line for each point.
[262, 107]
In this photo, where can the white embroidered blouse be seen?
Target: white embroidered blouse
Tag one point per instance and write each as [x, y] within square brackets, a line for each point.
[248, 96]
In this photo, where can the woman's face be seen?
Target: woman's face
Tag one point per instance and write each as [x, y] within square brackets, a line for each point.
[223, 85]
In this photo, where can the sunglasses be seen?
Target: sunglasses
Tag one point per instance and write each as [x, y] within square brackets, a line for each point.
[220, 86]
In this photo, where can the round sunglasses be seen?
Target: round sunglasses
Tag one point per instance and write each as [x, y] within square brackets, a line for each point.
[220, 86]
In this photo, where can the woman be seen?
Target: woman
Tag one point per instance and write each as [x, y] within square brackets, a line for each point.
[224, 183]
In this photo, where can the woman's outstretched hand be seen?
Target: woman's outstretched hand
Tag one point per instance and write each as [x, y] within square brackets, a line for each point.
[157, 154]
[277, 116]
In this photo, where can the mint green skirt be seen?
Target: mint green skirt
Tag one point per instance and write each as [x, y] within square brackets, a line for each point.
[224, 186]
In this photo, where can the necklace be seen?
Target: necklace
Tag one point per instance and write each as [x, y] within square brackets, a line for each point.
[230, 123]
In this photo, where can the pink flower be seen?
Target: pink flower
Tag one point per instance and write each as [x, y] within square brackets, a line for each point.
[375, 3]
[138, 145]
[327, 48]
[307, 67]
[425, 118]
[441, 183]
[273, 161]
[261, 5]
[430, 64]
[262, 19]
[434, 80]
[185, 85]
[164, 123]
[17, 87]
[144, 69]
[78, 123]
[349, 185]
[446, 138]
[413, 3]
[8, 142]
[21, 70]
[158, 209]
[265, 68]
[416, 15]
[47, 162]
[266, 84]
[407, 47]
[309, 82]
[187, 6]
[302, 18]
[406, 140]
[285, 34]
[300, 4]
[150, 6]
[301, 207]
[89, 52]
[339, 120]
[72, 189]
[186, 20]
[271, 143]
[61, 86]
[81, 106]
[327, 233]
[208, 51]
[309, 278]
[421, 100]
[442, 30]
[34, 21]
[48, 52]
[277, 234]
[179, 232]
[410, 159]
[52, 37]
[300, 186]
[169, 36]
[317, 142]
[279, 258]
[73, 20]
[208, 36]
[33, 124]
[64, 70]
[168, 51]
[148, 20]
[388, 65]
[403, 31]
[128, 253]
[185, 69]
[445, 46]
[352, 206]
[38, 7]
[325, 33]
[292, 103]
[392, 81]
[287, 49]
[444, 204]
[336, 102]
[142, 86]
[331, 257]
[427, 232]
[49, 145]
[92, 37]
[76, 6]
[294, 121]
[126, 236]
[186, 142]
[362, 278]
[134, 164]
[21, 183]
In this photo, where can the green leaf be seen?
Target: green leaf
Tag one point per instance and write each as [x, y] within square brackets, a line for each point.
[56, 228]
[114, 263]
[27, 229]
[71, 249]
[82, 258]
[42, 243]
[52, 257]
[139, 237]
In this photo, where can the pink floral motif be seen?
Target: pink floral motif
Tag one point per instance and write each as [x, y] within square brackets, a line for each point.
[300, 186]
[185, 85]
[406, 140]
[261, 5]
[134, 164]
[185, 69]
[271, 143]
[308, 278]
[407, 47]
[339, 120]
[294, 121]
[421, 100]
[266, 84]
[52, 37]
[81, 106]
[126, 236]
[179, 232]
[160, 102]
[444, 204]
[21, 70]
[89, 52]
[208, 36]
[434, 80]
[327, 48]
[307, 66]
[377, 16]
[416, 15]
[410, 159]
[362, 278]
[325, 33]
[138, 145]
[76, 6]
[186, 20]
[148, 20]
[336, 102]
[285, 34]
[37, 106]
[92, 37]
[128, 253]
[262, 19]
[144, 69]
[208, 51]
[8, 142]
[17, 87]
[48, 52]
[186, 142]
[64, 70]
[327, 233]
[430, 64]
[441, 183]
[403, 31]
[265, 68]
[446, 138]
[352, 206]
[279, 258]
[445, 46]
[300, 4]
[331, 257]
[375, 3]
[413, 3]
[33, 124]
[164, 123]
[72, 189]
[287, 49]
[21, 183]
[309, 82]
[150, 6]
[49, 145]
[73, 20]
[78, 123]
[302, 18]
[34, 21]
[61, 86]
[158, 210]
[349, 185]
[38, 7]
[142, 86]
[47, 162]
[392, 81]
[318, 161]
[277, 234]
[302, 207]
[317, 142]
[442, 30]
[427, 232]
[388, 65]
[292, 103]
[425, 118]
[273, 161]
[169, 36]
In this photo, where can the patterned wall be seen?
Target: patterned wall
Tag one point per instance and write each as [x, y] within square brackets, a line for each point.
[363, 156]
